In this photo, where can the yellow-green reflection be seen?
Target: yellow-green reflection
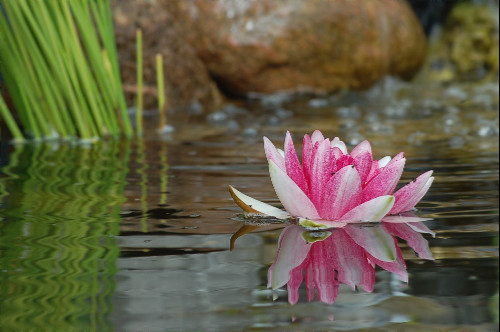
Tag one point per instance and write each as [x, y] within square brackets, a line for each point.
[150, 179]
[60, 211]
[143, 183]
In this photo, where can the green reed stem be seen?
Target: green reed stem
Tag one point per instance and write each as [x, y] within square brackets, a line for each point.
[104, 21]
[17, 45]
[138, 110]
[60, 66]
[11, 123]
[161, 91]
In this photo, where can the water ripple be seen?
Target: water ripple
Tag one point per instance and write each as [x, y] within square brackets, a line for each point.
[58, 255]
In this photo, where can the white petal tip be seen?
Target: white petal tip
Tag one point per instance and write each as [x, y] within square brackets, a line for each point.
[252, 206]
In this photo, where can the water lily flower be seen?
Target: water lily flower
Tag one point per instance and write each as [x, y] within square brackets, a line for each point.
[343, 255]
[332, 187]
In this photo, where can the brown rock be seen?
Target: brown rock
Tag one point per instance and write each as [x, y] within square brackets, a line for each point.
[318, 46]
[187, 82]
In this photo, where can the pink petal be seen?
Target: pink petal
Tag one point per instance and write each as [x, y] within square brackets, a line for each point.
[363, 163]
[342, 193]
[323, 273]
[414, 239]
[307, 153]
[337, 143]
[373, 210]
[401, 219]
[292, 250]
[310, 281]
[385, 182]
[344, 161]
[384, 161]
[293, 167]
[290, 195]
[397, 266]
[408, 196]
[296, 277]
[321, 171]
[350, 262]
[361, 148]
[273, 154]
[374, 239]
[397, 157]
[374, 171]
[336, 152]
[411, 220]
[317, 136]
[421, 228]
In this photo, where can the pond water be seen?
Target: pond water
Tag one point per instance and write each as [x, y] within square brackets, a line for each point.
[135, 236]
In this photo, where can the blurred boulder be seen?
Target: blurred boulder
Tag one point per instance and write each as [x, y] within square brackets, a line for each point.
[187, 82]
[265, 46]
[303, 46]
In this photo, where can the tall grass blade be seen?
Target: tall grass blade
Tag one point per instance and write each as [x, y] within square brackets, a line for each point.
[60, 66]
[11, 123]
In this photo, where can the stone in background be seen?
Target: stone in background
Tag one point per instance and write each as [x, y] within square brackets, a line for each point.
[266, 46]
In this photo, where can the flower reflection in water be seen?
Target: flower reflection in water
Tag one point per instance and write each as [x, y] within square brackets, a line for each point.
[348, 255]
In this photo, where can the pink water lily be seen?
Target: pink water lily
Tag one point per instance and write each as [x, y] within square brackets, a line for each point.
[345, 255]
[332, 187]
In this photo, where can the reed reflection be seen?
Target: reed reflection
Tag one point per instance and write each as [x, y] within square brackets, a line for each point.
[60, 212]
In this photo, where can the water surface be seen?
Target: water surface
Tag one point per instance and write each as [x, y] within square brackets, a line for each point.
[134, 235]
